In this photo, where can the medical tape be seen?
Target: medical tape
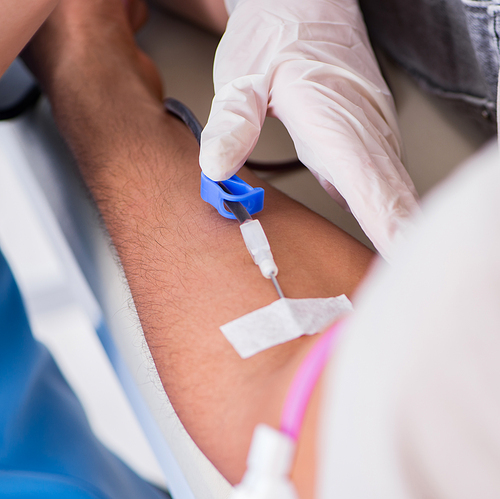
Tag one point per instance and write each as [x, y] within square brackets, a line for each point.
[283, 320]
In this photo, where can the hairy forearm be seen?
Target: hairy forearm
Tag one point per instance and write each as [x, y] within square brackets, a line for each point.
[141, 167]
[188, 269]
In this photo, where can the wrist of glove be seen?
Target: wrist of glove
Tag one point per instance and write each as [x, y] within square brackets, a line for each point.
[311, 66]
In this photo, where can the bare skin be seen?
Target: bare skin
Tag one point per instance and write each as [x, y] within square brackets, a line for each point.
[188, 269]
[18, 23]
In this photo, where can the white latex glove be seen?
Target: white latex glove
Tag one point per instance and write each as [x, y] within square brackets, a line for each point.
[310, 64]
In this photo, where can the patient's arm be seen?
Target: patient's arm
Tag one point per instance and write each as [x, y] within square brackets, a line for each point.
[188, 268]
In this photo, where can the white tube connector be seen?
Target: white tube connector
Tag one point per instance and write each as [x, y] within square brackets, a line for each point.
[269, 464]
[258, 246]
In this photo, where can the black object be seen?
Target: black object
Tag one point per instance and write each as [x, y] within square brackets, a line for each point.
[18, 91]
[181, 111]
[178, 109]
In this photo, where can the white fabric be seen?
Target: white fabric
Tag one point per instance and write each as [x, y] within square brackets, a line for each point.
[310, 64]
[412, 406]
[281, 321]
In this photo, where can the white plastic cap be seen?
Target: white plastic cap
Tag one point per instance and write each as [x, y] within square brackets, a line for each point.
[258, 246]
[271, 451]
[269, 464]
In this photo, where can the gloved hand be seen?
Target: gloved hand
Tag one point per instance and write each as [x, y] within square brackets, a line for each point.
[310, 64]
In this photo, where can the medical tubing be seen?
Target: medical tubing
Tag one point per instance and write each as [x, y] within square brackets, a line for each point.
[265, 260]
[236, 208]
[179, 110]
[305, 380]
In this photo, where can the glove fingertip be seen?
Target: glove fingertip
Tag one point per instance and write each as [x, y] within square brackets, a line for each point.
[213, 170]
[222, 156]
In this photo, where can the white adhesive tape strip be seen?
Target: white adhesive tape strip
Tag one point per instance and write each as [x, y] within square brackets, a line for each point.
[282, 321]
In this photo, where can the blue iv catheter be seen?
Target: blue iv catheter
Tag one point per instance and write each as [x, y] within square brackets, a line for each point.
[234, 199]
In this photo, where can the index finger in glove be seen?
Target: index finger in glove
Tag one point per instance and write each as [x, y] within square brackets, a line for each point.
[238, 112]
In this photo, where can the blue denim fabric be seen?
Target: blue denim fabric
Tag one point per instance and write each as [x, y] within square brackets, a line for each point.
[450, 46]
[47, 449]
[483, 20]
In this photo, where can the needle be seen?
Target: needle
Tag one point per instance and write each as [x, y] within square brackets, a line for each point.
[277, 286]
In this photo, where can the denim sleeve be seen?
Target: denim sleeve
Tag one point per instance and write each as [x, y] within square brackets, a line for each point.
[450, 46]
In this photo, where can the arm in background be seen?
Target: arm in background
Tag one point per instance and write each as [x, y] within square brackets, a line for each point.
[187, 267]
[18, 23]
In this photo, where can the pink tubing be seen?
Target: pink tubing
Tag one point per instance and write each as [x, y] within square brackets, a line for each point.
[305, 380]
